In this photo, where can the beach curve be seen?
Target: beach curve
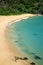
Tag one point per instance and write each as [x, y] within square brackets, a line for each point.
[7, 53]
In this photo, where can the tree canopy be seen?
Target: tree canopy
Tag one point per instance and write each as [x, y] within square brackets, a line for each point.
[9, 7]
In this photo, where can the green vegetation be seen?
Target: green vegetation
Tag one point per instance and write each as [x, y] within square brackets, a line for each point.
[11, 7]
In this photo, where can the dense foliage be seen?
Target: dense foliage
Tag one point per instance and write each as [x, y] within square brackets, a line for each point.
[8, 7]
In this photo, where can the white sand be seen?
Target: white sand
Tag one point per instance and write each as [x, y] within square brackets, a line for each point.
[7, 52]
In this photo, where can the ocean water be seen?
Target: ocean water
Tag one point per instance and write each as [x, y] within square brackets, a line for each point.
[27, 35]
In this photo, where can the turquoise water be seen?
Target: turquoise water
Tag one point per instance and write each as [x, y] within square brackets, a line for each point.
[27, 35]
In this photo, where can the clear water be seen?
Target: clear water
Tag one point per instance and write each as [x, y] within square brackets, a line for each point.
[27, 35]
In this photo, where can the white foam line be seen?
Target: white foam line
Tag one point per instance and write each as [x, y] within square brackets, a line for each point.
[10, 23]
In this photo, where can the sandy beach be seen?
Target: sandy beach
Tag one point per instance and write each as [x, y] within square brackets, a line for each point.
[7, 51]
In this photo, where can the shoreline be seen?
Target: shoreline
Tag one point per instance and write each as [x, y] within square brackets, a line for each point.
[7, 50]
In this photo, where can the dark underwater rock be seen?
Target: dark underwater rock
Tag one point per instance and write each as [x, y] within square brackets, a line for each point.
[17, 58]
[37, 57]
[25, 58]
[35, 34]
[32, 53]
[32, 63]
[16, 41]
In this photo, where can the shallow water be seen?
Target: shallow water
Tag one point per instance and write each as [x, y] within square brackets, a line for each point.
[27, 35]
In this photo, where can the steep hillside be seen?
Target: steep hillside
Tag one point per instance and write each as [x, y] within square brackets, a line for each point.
[9, 7]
